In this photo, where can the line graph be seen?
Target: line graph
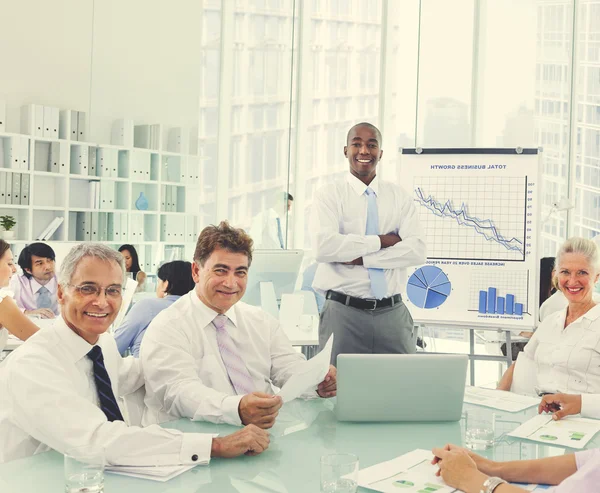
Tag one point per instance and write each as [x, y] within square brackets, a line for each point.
[474, 217]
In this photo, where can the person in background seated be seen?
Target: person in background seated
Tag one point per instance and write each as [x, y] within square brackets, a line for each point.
[11, 317]
[132, 263]
[59, 389]
[35, 289]
[565, 346]
[471, 473]
[547, 289]
[210, 356]
[174, 280]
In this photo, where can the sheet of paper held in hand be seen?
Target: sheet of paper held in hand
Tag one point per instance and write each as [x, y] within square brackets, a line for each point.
[412, 472]
[499, 399]
[568, 432]
[313, 374]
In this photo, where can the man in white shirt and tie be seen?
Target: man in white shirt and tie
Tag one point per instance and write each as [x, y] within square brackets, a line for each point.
[366, 233]
[211, 357]
[59, 389]
[35, 289]
[269, 228]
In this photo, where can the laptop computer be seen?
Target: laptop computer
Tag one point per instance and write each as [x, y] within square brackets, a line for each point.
[400, 387]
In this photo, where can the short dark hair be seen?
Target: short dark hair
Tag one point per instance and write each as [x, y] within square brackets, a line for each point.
[135, 263]
[39, 250]
[224, 236]
[368, 125]
[179, 275]
[289, 196]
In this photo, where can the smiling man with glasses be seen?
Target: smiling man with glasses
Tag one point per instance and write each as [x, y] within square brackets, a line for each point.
[60, 389]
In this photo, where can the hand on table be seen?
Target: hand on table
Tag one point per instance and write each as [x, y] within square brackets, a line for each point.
[250, 440]
[561, 405]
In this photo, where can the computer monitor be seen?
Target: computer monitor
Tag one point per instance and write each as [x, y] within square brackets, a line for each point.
[279, 267]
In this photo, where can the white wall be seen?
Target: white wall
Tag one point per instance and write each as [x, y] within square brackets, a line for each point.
[45, 53]
[138, 59]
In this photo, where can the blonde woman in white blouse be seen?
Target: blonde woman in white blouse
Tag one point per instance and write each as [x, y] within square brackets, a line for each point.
[11, 317]
[566, 346]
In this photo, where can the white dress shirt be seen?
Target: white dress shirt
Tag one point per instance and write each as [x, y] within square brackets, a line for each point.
[3, 332]
[185, 375]
[49, 400]
[339, 222]
[568, 359]
[20, 295]
[264, 231]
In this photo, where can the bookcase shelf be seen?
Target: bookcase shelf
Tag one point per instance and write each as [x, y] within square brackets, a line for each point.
[97, 185]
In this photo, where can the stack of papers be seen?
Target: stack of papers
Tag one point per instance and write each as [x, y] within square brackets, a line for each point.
[154, 473]
[568, 432]
[499, 399]
[412, 472]
[313, 374]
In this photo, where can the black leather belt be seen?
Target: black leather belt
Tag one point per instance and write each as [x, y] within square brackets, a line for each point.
[363, 303]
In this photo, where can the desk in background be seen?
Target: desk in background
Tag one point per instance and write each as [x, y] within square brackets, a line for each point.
[304, 431]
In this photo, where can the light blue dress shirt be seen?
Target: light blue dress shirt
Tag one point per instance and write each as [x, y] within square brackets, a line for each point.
[129, 335]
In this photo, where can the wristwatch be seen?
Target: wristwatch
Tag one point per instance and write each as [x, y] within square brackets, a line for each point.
[490, 484]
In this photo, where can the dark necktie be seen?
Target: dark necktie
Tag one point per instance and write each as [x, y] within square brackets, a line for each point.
[108, 403]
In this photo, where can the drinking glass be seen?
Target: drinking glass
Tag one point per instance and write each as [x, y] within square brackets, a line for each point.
[480, 428]
[84, 470]
[339, 473]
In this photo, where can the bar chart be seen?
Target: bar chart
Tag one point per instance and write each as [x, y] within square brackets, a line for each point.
[502, 293]
[490, 302]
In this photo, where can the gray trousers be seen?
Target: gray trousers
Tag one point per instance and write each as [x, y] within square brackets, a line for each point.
[380, 331]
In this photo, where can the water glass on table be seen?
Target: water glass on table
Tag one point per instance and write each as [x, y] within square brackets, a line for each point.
[480, 428]
[339, 473]
[84, 470]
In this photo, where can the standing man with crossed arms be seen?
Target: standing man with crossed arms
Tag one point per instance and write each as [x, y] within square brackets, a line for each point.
[366, 233]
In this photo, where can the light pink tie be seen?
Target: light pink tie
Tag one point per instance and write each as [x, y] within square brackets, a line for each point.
[234, 364]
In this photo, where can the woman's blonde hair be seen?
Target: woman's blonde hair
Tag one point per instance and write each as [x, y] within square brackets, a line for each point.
[583, 246]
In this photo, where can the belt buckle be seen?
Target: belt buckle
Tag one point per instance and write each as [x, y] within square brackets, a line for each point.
[374, 301]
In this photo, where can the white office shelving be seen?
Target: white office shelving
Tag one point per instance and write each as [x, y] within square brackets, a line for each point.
[63, 175]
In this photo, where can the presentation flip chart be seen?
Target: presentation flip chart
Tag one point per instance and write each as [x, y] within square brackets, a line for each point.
[478, 209]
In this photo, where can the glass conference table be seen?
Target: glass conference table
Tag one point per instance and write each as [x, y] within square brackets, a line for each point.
[305, 430]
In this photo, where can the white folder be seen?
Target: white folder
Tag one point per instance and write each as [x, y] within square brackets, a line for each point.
[178, 140]
[110, 226]
[54, 165]
[24, 153]
[81, 126]
[65, 157]
[32, 120]
[95, 234]
[8, 189]
[3, 176]
[47, 121]
[102, 226]
[163, 196]
[141, 136]
[24, 189]
[16, 188]
[125, 237]
[122, 132]
[2, 116]
[190, 228]
[92, 160]
[54, 122]
[13, 152]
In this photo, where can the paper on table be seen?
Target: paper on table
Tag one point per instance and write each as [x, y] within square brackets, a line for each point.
[568, 432]
[499, 399]
[412, 472]
[154, 473]
[312, 374]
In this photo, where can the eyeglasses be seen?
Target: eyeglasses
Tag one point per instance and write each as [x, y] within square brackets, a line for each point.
[114, 291]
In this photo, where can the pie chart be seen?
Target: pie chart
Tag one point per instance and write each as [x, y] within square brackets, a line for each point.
[428, 287]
